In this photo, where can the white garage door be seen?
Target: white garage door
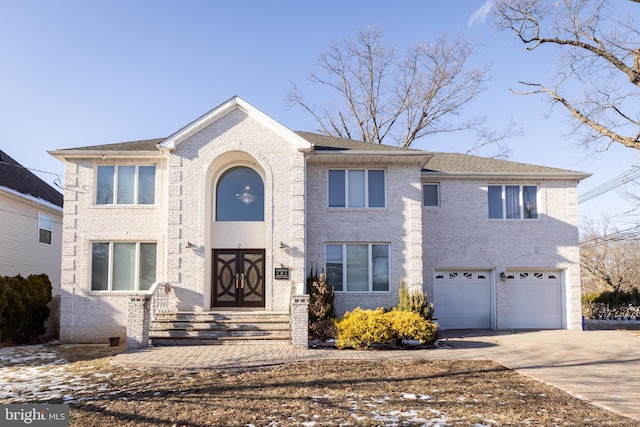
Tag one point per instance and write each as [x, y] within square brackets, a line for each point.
[462, 299]
[533, 300]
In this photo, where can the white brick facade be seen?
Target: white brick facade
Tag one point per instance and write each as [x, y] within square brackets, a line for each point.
[460, 235]
[399, 224]
[297, 220]
[235, 139]
[182, 213]
[89, 316]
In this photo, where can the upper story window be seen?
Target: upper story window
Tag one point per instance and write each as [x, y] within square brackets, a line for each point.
[240, 195]
[356, 188]
[125, 185]
[123, 266]
[513, 202]
[45, 226]
[430, 195]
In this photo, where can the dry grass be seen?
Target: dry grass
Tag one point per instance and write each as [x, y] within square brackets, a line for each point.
[322, 393]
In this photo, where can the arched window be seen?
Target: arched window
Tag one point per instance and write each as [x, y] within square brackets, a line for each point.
[240, 195]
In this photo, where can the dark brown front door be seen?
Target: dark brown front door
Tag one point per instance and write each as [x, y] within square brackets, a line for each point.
[238, 278]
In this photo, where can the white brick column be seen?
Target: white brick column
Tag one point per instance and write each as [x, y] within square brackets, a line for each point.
[138, 320]
[299, 319]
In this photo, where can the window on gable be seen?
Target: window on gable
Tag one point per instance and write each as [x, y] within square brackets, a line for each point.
[360, 267]
[356, 188]
[430, 195]
[123, 266]
[513, 201]
[45, 226]
[125, 185]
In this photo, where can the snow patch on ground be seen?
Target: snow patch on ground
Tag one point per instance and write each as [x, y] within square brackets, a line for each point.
[38, 374]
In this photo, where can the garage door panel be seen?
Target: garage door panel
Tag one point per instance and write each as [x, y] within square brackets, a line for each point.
[462, 299]
[533, 300]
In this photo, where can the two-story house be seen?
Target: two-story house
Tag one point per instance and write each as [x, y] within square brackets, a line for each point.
[31, 229]
[234, 209]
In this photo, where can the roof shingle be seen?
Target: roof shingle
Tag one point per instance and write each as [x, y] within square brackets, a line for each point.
[16, 177]
[445, 163]
[452, 163]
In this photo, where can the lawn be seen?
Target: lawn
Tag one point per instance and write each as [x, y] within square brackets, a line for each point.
[314, 393]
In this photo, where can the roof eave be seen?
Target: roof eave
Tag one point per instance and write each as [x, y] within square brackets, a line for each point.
[421, 158]
[84, 154]
[572, 176]
[30, 199]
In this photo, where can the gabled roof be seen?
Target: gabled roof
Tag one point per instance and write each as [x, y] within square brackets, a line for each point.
[142, 145]
[235, 103]
[332, 149]
[443, 164]
[16, 177]
[141, 148]
[332, 143]
[155, 147]
[347, 151]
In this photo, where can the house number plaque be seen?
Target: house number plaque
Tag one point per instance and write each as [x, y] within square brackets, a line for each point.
[282, 273]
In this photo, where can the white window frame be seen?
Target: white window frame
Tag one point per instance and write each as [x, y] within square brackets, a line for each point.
[49, 219]
[437, 185]
[370, 266]
[110, 266]
[366, 189]
[136, 184]
[520, 202]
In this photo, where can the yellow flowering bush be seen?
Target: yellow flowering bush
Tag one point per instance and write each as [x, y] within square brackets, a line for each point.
[411, 326]
[362, 328]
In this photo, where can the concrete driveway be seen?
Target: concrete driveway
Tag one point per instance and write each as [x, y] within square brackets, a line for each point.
[602, 367]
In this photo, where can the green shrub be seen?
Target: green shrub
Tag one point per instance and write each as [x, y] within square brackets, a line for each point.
[615, 298]
[414, 301]
[363, 328]
[589, 298]
[23, 307]
[612, 305]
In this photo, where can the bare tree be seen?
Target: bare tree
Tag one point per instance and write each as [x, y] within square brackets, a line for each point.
[611, 258]
[599, 59]
[386, 96]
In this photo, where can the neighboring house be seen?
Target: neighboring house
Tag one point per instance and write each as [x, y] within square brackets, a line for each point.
[31, 228]
[234, 209]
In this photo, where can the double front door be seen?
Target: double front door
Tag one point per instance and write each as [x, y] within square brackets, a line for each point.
[238, 278]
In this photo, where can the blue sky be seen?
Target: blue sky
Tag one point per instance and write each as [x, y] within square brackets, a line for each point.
[78, 73]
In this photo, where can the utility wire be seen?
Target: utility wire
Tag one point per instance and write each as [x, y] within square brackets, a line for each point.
[57, 181]
[612, 184]
[626, 234]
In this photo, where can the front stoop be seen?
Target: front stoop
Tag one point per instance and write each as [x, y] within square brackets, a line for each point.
[216, 328]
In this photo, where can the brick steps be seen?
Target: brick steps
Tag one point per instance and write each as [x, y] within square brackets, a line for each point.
[216, 328]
